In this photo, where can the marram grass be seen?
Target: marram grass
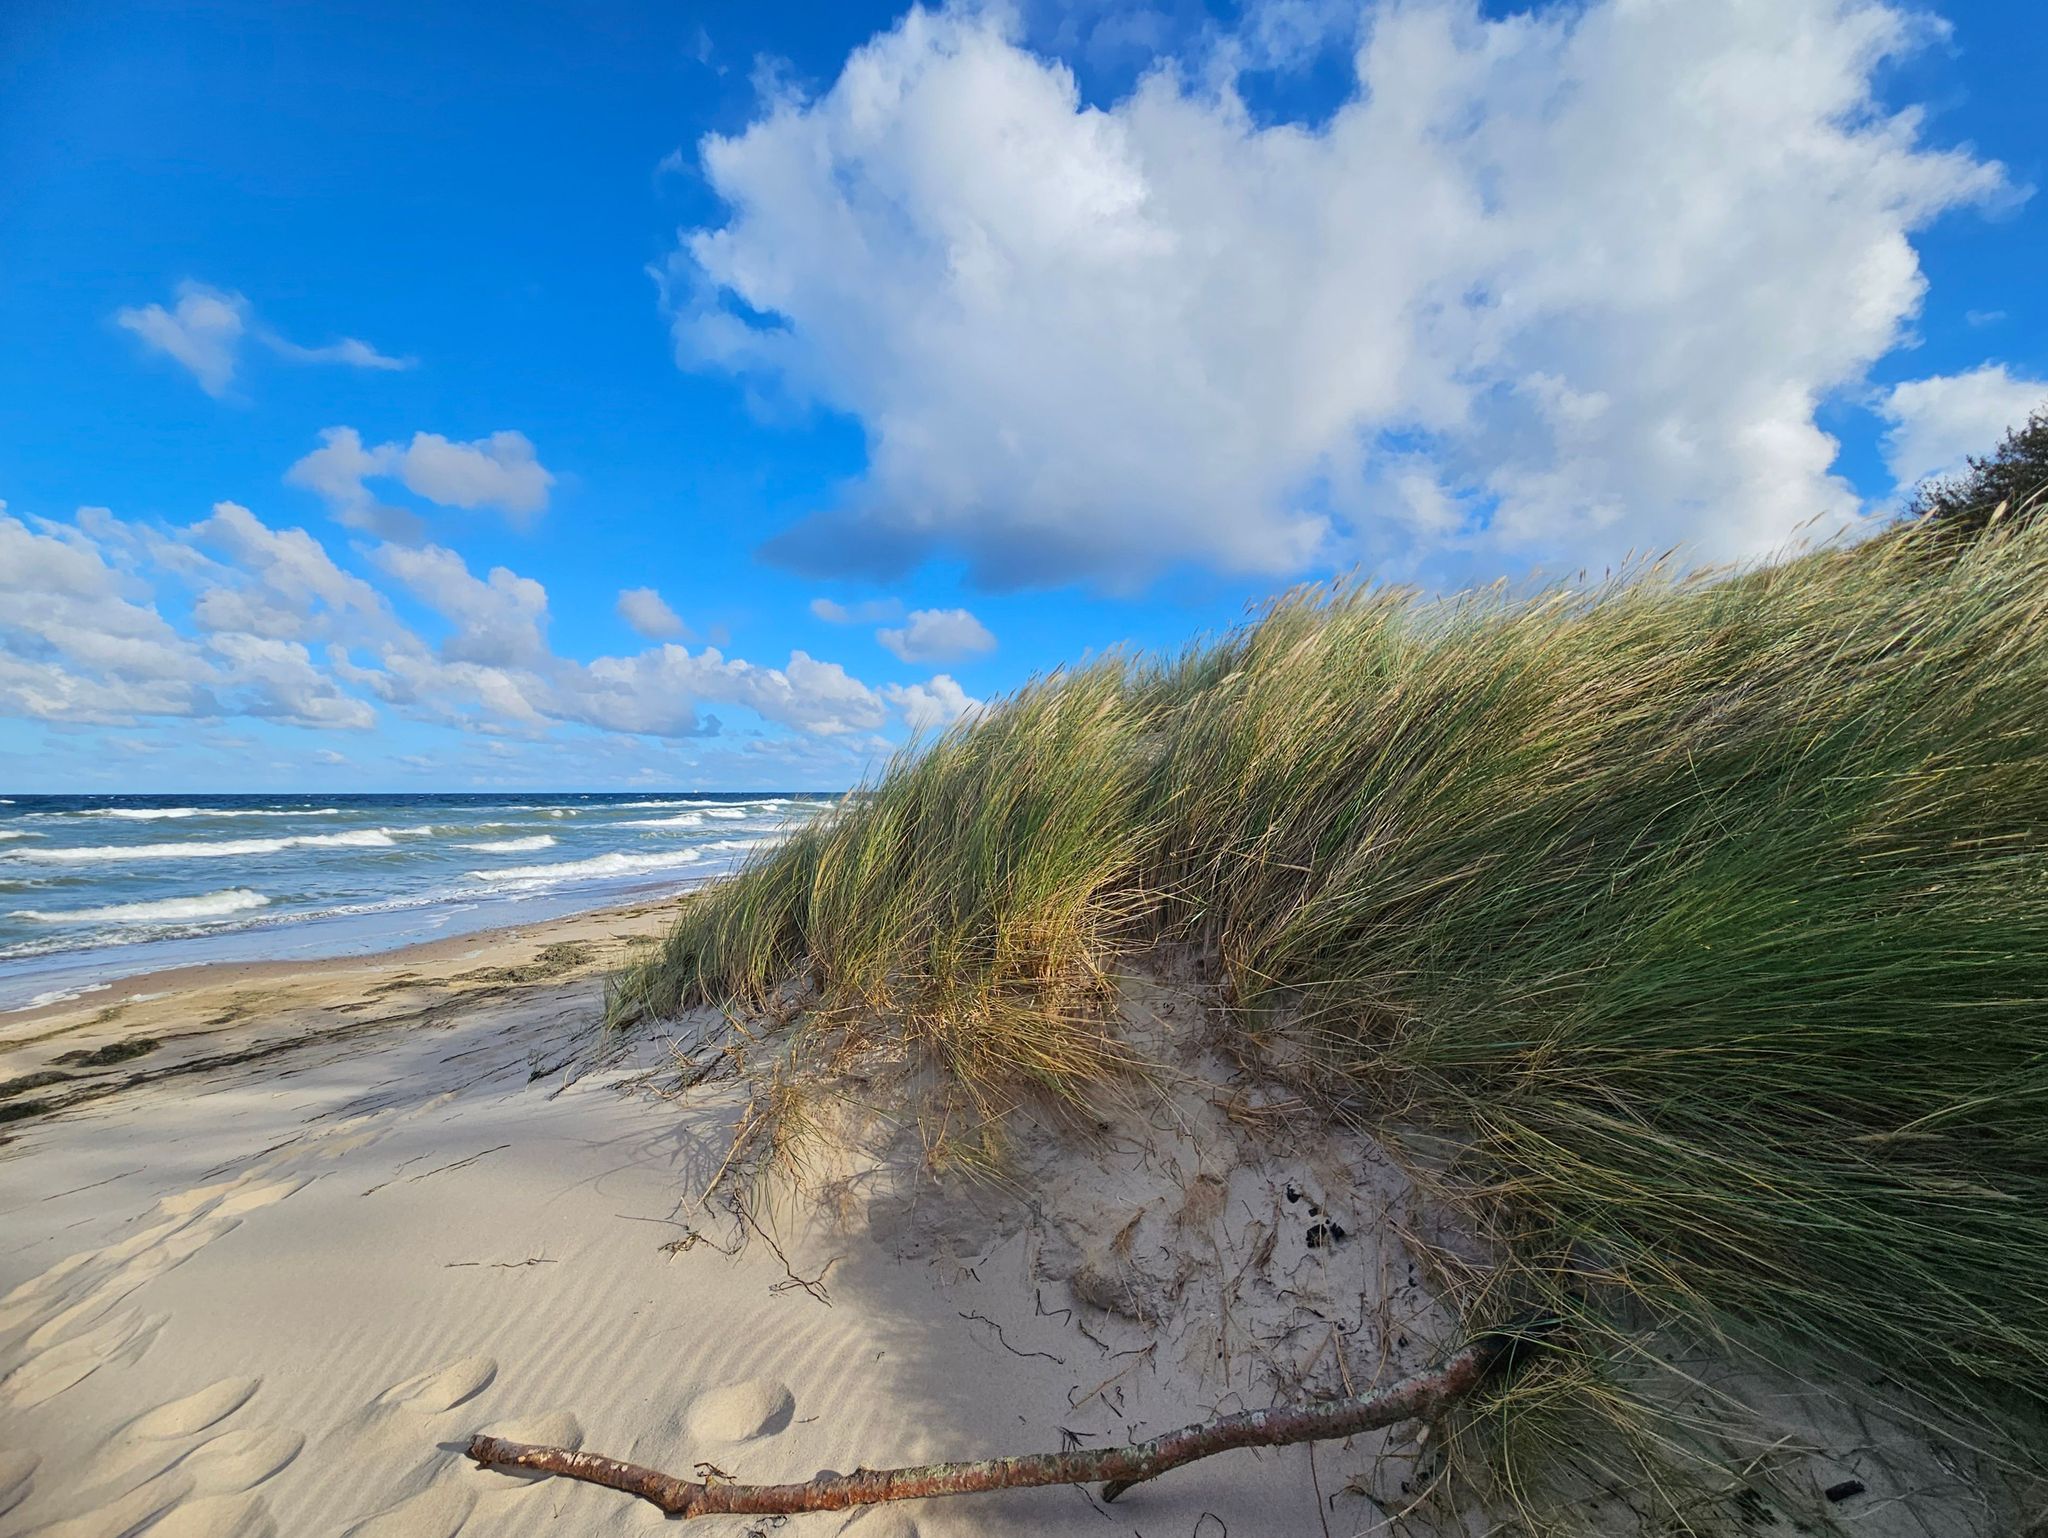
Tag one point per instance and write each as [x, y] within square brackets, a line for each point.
[1705, 921]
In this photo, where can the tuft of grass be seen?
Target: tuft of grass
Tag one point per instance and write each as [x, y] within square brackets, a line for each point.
[1700, 924]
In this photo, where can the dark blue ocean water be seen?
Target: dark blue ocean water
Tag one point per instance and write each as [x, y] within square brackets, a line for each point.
[94, 888]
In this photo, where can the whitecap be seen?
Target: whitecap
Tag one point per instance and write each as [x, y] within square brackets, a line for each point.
[682, 820]
[512, 845]
[203, 849]
[581, 870]
[165, 910]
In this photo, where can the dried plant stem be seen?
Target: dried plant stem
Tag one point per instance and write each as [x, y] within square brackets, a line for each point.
[1423, 1396]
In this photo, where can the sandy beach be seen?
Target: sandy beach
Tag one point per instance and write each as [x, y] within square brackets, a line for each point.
[269, 1274]
[281, 1240]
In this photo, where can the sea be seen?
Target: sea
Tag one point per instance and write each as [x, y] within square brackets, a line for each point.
[94, 889]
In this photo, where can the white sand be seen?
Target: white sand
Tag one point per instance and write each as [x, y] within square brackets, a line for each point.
[277, 1295]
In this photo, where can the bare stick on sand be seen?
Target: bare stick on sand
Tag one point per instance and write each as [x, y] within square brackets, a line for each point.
[1423, 1396]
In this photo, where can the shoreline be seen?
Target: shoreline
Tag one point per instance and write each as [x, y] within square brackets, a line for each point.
[186, 1020]
[83, 975]
[155, 981]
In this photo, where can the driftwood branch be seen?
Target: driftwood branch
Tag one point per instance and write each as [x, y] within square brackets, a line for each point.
[1424, 1396]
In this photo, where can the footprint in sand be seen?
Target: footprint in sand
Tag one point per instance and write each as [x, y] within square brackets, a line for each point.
[443, 1388]
[436, 1512]
[740, 1412]
[240, 1460]
[227, 1464]
[130, 1514]
[220, 1516]
[51, 1372]
[17, 1478]
[195, 1412]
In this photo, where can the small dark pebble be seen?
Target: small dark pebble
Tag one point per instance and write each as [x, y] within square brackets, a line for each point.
[1844, 1490]
[1320, 1234]
[1293, 1192]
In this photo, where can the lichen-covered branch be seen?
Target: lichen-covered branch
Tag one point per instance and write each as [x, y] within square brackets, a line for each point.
[1423, 1396]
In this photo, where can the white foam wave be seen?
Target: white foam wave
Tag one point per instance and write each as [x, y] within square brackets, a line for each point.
[166, 910]
[584, 870]
[171, 813]
[724, 811]
[7, 833]
[204, 849]
[512, 845]
[682, 820]
[65, 995]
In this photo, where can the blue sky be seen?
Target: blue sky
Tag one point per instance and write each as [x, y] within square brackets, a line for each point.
[358, 359]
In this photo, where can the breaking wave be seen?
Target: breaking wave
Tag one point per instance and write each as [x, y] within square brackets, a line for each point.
[166, 910]
[205, 849]
[584, 870]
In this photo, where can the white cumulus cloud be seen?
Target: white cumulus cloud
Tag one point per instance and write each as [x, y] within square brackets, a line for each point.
[1937, 423]
[936, 703]
[937, 635]
[649, 614]
[502, 471]
[279, 631]
[1548, 287]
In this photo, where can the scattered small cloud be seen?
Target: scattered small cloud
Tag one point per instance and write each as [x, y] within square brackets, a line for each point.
[1983, 317]
[928, 706]
[205, 328]
[270, 628]
[869, 613]
[501, 471]
[351, 351]
[645, 610]
[203, 331]
[938, 635]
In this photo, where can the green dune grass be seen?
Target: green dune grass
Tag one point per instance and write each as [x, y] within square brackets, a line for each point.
[1700, 927]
